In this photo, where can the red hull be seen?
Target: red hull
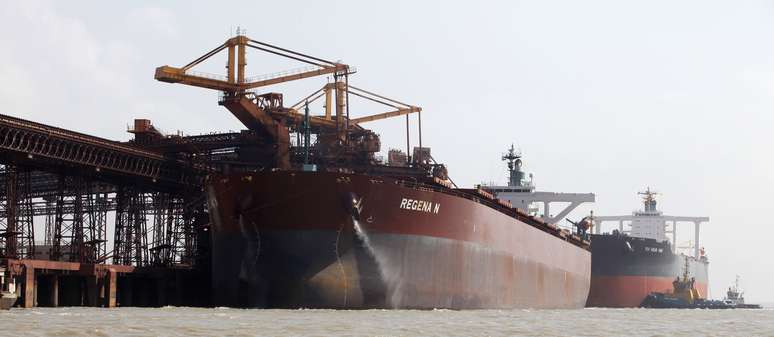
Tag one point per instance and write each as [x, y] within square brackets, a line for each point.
[286, 239]
[629, 291]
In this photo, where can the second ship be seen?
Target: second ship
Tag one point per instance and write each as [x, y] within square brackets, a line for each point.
[319, 222]
[628, 265]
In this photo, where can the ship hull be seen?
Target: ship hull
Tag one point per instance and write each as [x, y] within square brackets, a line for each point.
[327, 240]
[624, 270]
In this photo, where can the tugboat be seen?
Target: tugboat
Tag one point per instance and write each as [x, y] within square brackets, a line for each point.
[735, 297]
[683, 296]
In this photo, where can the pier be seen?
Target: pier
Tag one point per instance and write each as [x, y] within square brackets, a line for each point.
[44, 283]
[79, 188]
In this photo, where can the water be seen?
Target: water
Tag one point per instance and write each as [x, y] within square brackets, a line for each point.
[363, 236]
[173, 321]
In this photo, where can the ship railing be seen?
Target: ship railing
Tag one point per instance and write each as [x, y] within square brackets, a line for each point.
[513, 212]
[294, 71]
[206, 75]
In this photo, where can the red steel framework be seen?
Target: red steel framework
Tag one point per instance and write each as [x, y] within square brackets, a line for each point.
[75, 184]
[17, 236]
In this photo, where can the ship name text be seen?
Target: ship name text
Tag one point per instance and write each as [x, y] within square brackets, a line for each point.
[420, 205]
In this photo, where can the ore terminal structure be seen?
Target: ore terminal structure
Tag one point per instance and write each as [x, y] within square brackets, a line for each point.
[150, 193]
[150, 189]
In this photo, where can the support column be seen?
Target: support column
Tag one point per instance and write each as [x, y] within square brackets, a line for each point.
[408, 139]
[110, 288]
[92, 291]
[29, 287]
[100, 298]
[241, 63]
[231, 66]
[674, 236]
[161, 293]
[419, 126]
[128, 295]
[328, 100]
[11, 210]
[620, 226]
[340, 107]
[179, 289]
[696, 239]
[546, 210]
[54, 290]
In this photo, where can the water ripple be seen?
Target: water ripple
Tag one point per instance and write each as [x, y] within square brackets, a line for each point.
[176, 321]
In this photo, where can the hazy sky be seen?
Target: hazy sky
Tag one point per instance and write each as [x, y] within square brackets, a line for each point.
[602, 96]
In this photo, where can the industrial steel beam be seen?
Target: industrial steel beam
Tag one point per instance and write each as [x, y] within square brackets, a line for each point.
[39, 145]
[385, 115]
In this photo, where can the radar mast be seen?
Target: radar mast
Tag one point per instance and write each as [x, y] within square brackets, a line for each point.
[515, 174]
[649, 200]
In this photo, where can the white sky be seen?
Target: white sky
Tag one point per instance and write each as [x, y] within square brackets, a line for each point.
[601, 96]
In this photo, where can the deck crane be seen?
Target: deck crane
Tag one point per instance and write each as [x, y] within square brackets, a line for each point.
[266, 114]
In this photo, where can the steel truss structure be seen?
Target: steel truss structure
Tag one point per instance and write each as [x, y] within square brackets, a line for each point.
[17, 235]
[82, 189]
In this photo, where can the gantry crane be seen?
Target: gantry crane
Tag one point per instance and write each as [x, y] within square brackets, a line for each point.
[266, 114]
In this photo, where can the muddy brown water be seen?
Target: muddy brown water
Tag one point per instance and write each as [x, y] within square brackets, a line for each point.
[175, 321]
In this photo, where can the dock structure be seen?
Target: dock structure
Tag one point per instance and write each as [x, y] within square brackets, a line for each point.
[74, 185]
[46, 283]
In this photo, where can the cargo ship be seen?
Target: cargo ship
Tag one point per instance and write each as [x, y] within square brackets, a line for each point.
[628, 265]
[292, 239]
[305, 214]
